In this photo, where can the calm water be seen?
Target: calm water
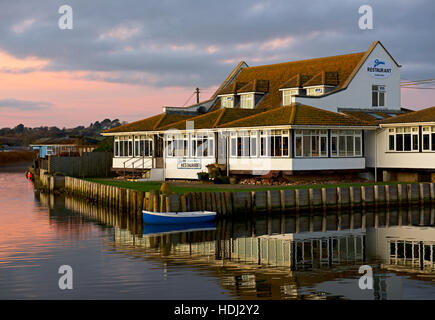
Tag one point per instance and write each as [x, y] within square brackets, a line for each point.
[313, 256]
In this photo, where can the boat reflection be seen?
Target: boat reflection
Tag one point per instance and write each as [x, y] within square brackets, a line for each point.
[162, 229]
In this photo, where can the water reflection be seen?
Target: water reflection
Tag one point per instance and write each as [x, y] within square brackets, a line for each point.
[304, 256]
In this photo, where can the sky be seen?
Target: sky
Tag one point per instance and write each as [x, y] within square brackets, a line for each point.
[126, 59]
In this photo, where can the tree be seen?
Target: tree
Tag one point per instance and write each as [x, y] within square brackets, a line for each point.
[19, 128]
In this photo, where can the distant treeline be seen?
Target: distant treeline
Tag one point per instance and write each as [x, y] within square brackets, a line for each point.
[23, 136]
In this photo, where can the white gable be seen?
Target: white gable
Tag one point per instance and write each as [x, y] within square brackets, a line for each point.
[378, 69]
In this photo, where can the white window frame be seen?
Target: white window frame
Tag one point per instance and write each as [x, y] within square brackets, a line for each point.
[269, 136]
[412, 131]
[429, 131]
[287, 94]
[208, 143]
[248, 139]
[379, 89]
[227, 101]
[316, 133]
[338, 135]
[247, 101]
[125, 141]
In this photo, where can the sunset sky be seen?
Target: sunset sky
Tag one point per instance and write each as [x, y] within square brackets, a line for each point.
[127, 59]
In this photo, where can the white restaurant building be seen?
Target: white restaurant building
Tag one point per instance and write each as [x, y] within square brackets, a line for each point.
[326, 114]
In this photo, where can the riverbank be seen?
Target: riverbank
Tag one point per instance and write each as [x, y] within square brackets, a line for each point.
[197, 186]
[235, 200]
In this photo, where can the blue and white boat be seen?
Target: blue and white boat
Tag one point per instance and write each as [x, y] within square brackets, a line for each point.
[177, 217]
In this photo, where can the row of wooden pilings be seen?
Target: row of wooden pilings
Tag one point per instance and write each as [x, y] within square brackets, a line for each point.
[242, 203]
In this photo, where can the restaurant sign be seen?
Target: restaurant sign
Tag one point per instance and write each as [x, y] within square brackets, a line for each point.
[189, 163]
[379, 68]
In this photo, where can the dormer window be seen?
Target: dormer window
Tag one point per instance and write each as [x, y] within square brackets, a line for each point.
[247, 101]
[227, 101]
[287, 96]
[315, 91]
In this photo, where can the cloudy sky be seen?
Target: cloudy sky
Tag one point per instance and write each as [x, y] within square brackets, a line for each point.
[126, 59]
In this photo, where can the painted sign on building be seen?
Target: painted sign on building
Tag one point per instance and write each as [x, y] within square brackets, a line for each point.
[189, 164]
[379, 68]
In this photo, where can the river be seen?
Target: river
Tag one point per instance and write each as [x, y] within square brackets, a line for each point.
[306, 256]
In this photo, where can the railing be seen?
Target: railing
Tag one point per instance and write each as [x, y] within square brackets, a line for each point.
[141, 158]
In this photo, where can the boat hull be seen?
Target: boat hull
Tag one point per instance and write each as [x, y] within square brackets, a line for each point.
[177, 218]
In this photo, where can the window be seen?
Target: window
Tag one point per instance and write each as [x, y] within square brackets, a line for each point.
[311, 143]
[177, 145]
[378, 96]
[51, 150]
[316, 91]
[227, 101]
[116, 147]
[143, 146]
[428, 135]
[274, 143]
[247, 101]
[287, 96]
[346, 143]
[404, 139]
[202, 145]
[123, 146]
[243, 144]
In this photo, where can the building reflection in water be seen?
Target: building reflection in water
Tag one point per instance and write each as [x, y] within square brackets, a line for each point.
[287, 256]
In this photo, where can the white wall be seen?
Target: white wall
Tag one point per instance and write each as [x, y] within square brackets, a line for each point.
[328, 164]
[359, 92]
[118, 163]
[392, 159]
[260, 164]
[172, 171]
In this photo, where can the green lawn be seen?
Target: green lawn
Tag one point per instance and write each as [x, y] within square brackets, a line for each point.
[197, 187]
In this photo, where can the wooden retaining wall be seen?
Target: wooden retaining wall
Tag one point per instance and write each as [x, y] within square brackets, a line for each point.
[252, 202]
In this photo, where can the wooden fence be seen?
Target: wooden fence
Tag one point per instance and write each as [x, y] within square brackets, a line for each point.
[244, 203]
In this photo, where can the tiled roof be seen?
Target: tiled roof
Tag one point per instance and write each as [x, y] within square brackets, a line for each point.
[279, 74]
[233, 88]
[213, 119]
[425, 115]
[296, 115]
[255, 86]
[296, 81]
[149, 124]
[323, 78]
[373, 116]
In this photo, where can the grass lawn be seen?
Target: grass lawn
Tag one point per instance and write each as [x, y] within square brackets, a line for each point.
[183, 187]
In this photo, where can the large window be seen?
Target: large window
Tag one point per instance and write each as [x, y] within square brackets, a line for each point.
[428, 138]
[243, 144]
[378, 96]
[202, 145]
[404, 139]
[311, 143]
[247, 101]
[123, 146]
[143, 146]
[346, 143]
[274, 143]
[177, 145]
[227, 101]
